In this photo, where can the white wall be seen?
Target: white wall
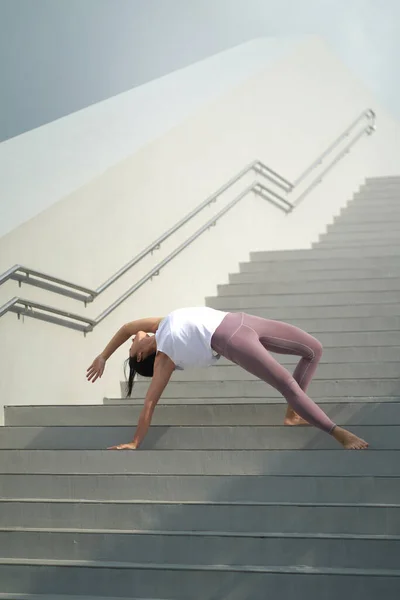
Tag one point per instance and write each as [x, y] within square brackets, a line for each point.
[42, 166]
[285, 115]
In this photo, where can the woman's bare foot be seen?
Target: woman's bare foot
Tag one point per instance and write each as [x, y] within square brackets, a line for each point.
[348, 439]
[292, 418]
[130, 446]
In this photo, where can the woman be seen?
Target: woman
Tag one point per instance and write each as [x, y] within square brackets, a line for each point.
[197, 337]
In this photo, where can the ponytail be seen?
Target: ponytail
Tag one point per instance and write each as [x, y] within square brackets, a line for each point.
[145, 368]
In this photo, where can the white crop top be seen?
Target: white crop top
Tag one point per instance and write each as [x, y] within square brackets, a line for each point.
[185, 336]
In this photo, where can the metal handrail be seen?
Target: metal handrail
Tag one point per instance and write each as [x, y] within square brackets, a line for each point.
[367, 131]
[25, 307]
[368, 114]
[72, 290]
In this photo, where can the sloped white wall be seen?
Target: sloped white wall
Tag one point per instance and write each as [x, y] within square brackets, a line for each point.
[44, 165]
[285, 115]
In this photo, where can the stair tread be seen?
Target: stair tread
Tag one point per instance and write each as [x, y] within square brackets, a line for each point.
[205, 533]
[292, 570]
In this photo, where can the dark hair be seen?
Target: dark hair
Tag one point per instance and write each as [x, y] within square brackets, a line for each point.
[145, 368]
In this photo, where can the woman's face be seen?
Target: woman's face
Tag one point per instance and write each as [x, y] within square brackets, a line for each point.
[142, 348]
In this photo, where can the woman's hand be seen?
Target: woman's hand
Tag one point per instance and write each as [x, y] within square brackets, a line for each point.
[96, 369]
[130, 446]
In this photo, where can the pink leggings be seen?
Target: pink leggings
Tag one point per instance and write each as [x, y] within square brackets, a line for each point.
[247, 341]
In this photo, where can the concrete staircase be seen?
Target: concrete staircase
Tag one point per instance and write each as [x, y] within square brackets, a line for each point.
[223, 503]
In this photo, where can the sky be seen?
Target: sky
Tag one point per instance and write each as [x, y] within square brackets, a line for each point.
[58, 56]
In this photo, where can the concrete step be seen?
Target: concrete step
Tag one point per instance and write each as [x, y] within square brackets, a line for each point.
[303, 299]
[363, 209]
[288, 266]
[314, 254]
[373, 199]
[287, 313]
[330, 356]
[258, 389]
[384, 182]
[116, 413]
[388, 206]
[307, 287]
[204, 548]
[317, 275]
[235, 583]
[336, 370]
[376, 234]
[363, 519]
[383, 242]
[342, 228]
[363, 216]
[150, 490]
[190, 438]
[204, 462]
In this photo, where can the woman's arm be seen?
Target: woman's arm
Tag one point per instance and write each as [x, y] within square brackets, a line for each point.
[150, 325]
[163, 369]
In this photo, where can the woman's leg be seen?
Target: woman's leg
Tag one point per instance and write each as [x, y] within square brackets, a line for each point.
[243, 339]
[249, 351]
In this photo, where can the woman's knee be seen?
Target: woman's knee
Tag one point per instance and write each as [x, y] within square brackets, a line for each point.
[317, 349]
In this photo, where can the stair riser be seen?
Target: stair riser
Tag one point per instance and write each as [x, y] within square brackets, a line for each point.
[258, 389]
[241, 518]
[313, 276]
[301, 255]
[193, 488]
[202, 549]
[384, 242]
[148, 583]
[374, 413]
[288, 266]
[324, 371]
[289, 313]
[210, 462]
[306, 299]
[382, 206]
[190, 438]
[361, 217]
[366, 236]
[307, 287]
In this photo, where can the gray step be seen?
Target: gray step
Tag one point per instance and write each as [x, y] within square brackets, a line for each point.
[288, 266]
[179, 583]
[369, 198]
[358, 370]
[314, 254]
[258, 389]
[344, 413]
[318, 275]
[363, 209]
[192, 438]
[307, 287]
[383, 242]
[286, 313]
[150, 490]
[384, 207]
[330, 356]
[208, 462]
[204, 548]
[303, 299]
[339, 228]
[376, 234]
[363, 519]
[358, 216]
